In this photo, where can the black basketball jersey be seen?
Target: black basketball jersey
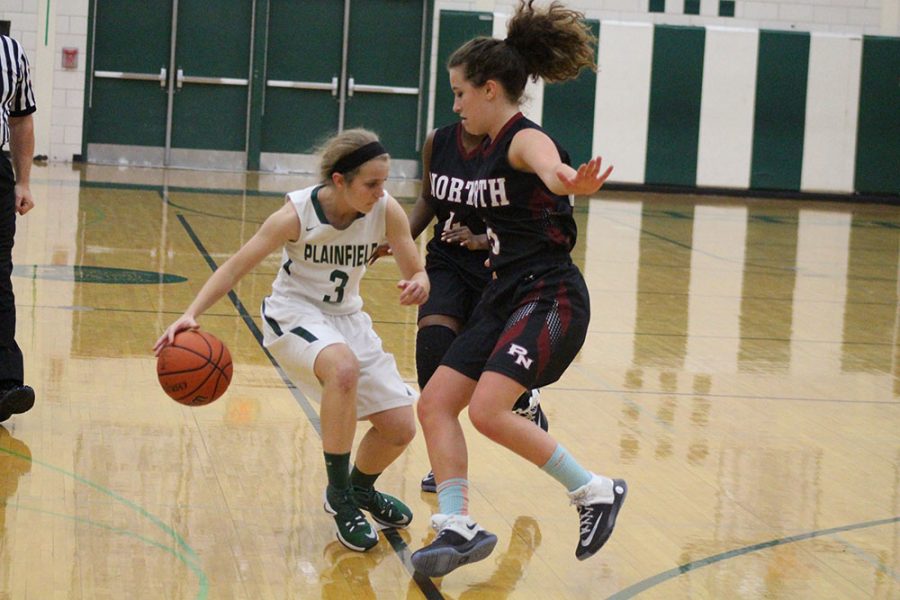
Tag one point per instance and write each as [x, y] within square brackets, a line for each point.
[450, 174]
[525, 219]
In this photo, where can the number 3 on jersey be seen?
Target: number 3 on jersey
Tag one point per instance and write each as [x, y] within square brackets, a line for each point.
[341, 279]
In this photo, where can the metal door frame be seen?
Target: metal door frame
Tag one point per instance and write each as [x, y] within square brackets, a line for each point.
[343, 88]
[171, 80]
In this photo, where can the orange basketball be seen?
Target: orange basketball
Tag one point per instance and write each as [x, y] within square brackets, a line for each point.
[195, 369]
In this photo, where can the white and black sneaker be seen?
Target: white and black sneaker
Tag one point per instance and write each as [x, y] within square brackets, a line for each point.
[459, 541]
[428, 483]
[529, 406]
[598, 506]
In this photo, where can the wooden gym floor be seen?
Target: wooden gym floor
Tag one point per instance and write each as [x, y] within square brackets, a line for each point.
[741, 372]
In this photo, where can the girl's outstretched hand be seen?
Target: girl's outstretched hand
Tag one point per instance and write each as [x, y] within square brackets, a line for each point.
[183, 323]
[587, 179]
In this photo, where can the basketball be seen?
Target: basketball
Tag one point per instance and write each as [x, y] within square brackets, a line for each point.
[195, 368]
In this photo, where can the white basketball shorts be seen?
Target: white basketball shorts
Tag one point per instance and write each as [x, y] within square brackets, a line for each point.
[295, 334]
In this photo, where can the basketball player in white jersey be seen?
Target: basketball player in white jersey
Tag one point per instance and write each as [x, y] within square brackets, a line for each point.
[315, 328]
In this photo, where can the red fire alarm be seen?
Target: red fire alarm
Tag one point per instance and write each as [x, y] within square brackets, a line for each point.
[70, 58]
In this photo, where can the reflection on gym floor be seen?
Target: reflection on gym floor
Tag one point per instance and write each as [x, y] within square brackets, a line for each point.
[741, 372]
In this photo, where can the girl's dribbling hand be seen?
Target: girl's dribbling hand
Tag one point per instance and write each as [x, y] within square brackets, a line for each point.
[183, 323]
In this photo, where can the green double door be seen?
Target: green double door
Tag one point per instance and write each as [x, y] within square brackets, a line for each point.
[233, 84]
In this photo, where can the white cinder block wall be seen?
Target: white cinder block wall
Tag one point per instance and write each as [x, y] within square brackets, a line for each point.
[60, 92]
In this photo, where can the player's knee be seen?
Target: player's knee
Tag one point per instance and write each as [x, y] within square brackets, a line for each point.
[396, 426]
[337, 368]
[343, 377]
[427, 409]
[484, 419]
[423, 408]
[404, 431]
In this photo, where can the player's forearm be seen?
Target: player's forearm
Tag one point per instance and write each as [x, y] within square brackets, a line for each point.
[21, 147]
[419, 218]
[219, 283]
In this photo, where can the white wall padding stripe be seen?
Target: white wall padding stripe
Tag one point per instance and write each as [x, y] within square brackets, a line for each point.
[726, 109]
[623, 98]
[832, 103]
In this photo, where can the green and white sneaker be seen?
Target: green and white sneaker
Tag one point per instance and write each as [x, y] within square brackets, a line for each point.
[353, 530]
[385, 509]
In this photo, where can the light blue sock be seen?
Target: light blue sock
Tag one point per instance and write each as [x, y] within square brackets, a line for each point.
[565, 469]
[453, 496]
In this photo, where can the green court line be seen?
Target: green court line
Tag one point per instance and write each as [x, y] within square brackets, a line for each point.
[869, 558]
[580, 207]
[642, 586]
[47, 23]
[169, 188]
[193, 566]
[208, 214]
[194, 563]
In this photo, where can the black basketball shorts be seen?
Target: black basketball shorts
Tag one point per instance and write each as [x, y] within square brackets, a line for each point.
[455, 288]
[528, 326]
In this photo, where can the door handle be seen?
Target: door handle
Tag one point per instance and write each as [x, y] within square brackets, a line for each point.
[179, 78]
[379, 89]
[306, 85]
[213, 80]
[134, 76]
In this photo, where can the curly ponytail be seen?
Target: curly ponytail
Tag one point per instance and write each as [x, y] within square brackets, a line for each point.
[553, 43]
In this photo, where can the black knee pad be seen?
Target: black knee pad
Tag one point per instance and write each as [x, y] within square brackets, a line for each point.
[431, 344]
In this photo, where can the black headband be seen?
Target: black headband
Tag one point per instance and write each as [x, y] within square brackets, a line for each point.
[361, 155]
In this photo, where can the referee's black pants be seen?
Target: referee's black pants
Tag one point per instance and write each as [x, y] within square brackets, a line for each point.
[11, 367]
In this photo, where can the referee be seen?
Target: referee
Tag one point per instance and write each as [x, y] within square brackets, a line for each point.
[17, 128]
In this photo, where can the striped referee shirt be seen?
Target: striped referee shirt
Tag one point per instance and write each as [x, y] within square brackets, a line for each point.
[16, 93]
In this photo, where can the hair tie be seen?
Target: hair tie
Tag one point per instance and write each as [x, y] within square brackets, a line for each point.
[361, 155]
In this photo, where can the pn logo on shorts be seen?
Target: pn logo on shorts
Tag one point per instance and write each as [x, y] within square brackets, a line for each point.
[521, 355]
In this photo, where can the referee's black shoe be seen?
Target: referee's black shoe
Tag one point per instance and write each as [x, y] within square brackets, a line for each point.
[15, 400]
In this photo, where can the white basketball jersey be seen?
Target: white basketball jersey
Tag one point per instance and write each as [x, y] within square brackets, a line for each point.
[324, 266]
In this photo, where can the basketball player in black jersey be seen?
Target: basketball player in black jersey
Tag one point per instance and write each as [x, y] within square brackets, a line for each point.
[533, 317]
[456, 257]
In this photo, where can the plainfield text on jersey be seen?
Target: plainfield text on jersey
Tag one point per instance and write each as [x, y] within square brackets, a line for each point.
[348, 255]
